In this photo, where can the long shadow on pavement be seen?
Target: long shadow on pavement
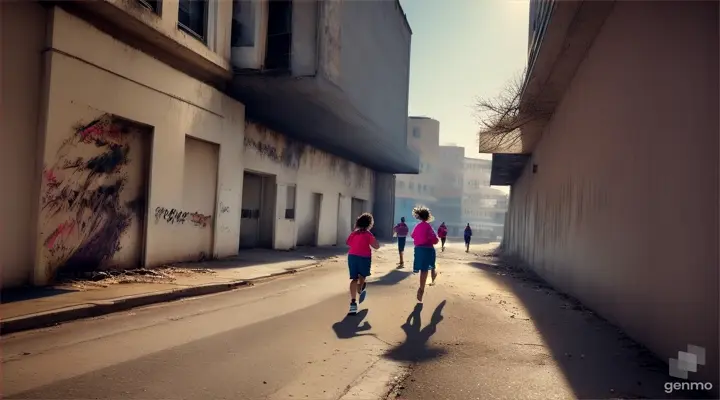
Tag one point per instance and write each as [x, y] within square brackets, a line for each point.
[352, 326]
[597, 358]
[415, 348]
[31, 293]
[391, 278]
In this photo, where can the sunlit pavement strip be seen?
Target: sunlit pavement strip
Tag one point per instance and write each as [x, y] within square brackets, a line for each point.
[378, 381]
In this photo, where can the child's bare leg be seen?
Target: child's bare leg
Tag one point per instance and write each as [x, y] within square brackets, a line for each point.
[360, 283]
[353, 289]
[401, 258]
[421, 289]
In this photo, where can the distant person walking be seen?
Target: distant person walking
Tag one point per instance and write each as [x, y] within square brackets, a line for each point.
[468, 235]
[442, 234]
[360, 258]
[425, 239]
[401, 231]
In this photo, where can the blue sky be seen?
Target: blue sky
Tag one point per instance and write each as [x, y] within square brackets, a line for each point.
[462, 49]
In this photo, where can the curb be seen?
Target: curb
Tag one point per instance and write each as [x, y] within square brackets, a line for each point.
[89, 310]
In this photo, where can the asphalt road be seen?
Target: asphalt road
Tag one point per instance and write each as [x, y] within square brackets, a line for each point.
[481, 332]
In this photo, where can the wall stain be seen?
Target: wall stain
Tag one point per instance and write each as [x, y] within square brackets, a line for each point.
[293, 154]
[223, 208]
[86, 194]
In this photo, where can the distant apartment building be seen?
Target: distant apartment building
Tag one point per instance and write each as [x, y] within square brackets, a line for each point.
[423, 139]
[456, 188]
[483, 207]
[449, 189]
[141, 132]
[614, 90]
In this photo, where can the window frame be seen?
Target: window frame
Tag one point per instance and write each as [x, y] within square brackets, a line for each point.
[153, 5]
[203, 37]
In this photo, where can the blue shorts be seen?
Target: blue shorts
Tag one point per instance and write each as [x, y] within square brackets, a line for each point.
[359, 266]
[424, 259]
[401, 243]
[467, 239]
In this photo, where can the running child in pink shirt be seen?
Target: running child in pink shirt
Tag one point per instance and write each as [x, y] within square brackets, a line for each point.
[360, 258]
[425, 239]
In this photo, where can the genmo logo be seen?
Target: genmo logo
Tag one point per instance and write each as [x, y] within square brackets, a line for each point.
[687, 361]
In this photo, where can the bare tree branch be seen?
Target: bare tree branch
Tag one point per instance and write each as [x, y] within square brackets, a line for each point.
[502, 118]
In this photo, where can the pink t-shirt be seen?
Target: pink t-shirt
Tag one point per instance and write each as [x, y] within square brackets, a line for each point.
[424, 235]
[359, 242]
[442, 231]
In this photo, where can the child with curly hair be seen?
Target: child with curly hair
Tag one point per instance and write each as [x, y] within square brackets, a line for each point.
[425, 239]
[360, 257]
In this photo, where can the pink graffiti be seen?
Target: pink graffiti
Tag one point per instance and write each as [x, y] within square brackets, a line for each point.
[50, 177]
[200, 219]
[90, 133]
[63, 230]
[99, 130]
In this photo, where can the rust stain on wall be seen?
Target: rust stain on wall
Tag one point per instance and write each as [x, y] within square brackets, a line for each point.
[293, 154]
[276, 147]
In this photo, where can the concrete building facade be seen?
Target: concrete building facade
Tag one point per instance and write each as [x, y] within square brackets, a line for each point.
[483, 207]
[423, 138]
[449, 191]
[130, 144]
[596, 208]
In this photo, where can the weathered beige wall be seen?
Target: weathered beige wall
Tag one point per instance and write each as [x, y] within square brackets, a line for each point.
[21, 77]
[215, 49]
[129, 84]
[312, 171]
[623, 210]
[200, 175]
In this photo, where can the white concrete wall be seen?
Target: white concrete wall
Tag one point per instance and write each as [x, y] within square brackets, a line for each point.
[311, 171]
[623, 210]
[92, 74]
[21, 77]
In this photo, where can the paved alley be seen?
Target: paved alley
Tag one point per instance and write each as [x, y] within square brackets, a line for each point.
[482, 332]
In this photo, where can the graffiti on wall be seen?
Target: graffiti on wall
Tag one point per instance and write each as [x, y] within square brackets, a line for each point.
[85, 202]
[175, 216]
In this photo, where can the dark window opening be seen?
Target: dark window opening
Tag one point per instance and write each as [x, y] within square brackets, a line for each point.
[290, 203]
[279, 35]
[192, 17]
[152, 5]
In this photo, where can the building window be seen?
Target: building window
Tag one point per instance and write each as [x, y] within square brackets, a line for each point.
[192, 17]
[152, 5]
[401, 185]
[290, 203]
[416, 132]
[412, 185]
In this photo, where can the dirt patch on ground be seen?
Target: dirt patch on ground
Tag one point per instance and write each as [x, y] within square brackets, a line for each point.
[102, 279]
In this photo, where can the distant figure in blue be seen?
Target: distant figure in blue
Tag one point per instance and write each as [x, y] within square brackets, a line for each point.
[468, 235]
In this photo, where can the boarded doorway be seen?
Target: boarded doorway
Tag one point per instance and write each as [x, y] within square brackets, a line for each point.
[199, 197]
[358, 207]
[344, 224]
[258, 211]
[308, 234]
